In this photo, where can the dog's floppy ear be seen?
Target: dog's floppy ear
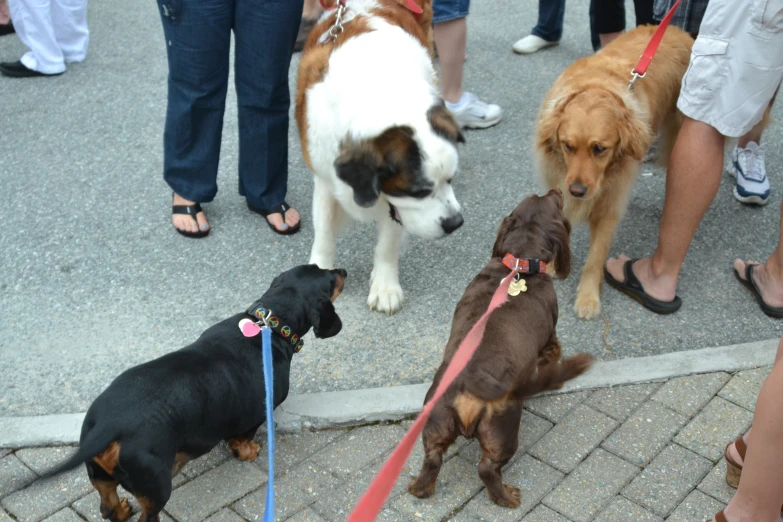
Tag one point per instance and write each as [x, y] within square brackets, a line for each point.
[325, 321]
[498, 250]
[549, 122]
[562, 249]
[443, 123]
[635, 136]
[389, 163]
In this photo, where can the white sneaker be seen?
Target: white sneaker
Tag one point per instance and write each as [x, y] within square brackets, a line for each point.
[473, 113]
[531, 44]
[752, 183]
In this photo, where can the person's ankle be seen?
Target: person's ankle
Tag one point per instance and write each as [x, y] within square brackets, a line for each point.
[774, 269]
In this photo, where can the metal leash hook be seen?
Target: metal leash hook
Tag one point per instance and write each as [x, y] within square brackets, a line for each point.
[635, 76]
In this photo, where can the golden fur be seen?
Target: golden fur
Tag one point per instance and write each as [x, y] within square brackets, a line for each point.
[593, 132]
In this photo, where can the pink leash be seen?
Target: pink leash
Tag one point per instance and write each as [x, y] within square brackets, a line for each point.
[373, 499]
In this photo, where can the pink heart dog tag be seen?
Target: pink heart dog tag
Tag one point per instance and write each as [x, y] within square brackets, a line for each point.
[249, 328]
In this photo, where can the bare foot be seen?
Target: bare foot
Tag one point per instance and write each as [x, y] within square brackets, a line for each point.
[657, 288]
[291, 220]
[771, 290]
[185, 222]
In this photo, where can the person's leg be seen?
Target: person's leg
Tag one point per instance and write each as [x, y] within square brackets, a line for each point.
[451, 41]
[760, 495]
[197, 35]
[644, 12]
[711, 113]
[5, 14]
[265, 33]
[608, 19]
[70, 28]
[547, 31]
[450, 30]
[692, 182]
[550, 20]
[33, 23]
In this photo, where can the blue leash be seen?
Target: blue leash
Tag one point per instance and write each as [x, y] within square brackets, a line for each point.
[266, 357]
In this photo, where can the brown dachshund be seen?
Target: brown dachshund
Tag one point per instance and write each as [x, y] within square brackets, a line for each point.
[519, 355]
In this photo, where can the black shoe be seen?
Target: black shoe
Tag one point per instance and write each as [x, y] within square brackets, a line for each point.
[7, 29]
[18, 70]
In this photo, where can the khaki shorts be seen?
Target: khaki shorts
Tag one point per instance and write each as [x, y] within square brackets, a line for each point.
[736, 65]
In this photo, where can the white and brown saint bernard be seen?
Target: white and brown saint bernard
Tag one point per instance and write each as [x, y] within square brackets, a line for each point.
[377, 135]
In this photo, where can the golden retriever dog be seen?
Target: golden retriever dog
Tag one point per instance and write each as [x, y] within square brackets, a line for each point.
[593, 131]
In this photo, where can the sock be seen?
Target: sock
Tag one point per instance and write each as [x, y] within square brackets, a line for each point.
[460, 104]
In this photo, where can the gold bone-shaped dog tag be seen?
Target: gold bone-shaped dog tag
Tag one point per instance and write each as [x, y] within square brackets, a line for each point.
[517, 287]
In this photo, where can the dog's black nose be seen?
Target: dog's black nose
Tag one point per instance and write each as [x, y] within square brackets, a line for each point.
[452, 223]
[577, 190]
[341, 271]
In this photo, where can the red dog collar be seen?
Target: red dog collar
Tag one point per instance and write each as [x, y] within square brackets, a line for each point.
[410, 4]
[524, 265]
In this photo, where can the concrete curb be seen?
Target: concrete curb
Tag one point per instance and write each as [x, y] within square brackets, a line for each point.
[357, 407]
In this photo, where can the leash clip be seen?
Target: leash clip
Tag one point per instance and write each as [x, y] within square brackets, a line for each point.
[264, 319]
[337, 28]
[635, 76]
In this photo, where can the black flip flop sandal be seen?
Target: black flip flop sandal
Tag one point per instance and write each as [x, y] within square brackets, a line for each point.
[279, 209]
[633, 288]
[771, 311]
[192, 211]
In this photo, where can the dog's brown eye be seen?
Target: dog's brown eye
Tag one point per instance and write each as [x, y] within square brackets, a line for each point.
[597, 149]
[568, 147]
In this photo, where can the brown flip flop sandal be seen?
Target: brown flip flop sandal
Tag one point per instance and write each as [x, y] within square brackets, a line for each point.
[734, 470]
[719, 517]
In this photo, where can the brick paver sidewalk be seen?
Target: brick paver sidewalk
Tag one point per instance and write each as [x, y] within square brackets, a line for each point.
[647, 452]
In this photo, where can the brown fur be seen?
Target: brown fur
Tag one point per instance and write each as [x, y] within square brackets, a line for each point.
[112, 506]
[244, 449]
[180, 459]
[107, 459]
[315, 57]
[518, 357]
[590, 105]
[389, 163]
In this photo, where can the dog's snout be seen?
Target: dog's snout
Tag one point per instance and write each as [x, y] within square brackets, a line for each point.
[577, 190]
[452, 223]
[341, 271]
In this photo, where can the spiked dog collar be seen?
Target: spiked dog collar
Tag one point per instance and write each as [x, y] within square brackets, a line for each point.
[265, 316]
[524, 265]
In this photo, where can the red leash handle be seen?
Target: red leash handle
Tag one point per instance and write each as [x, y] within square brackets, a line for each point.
[372, 501]
[644, 62]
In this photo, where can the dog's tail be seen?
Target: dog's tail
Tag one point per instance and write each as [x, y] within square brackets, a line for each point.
[552, 376]
[97, 441]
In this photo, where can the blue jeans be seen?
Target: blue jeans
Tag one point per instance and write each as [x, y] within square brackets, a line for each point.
[550, 20]
[198, 37]
[448, 10]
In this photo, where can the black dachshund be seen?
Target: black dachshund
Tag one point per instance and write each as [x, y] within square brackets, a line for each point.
[157, 416]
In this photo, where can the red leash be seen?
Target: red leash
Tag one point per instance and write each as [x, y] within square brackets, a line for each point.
[644, 62]
[371, 503]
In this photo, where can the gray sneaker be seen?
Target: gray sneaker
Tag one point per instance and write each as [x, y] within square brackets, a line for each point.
[476, 114]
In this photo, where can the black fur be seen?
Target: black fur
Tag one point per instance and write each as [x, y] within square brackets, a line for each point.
[189, 400]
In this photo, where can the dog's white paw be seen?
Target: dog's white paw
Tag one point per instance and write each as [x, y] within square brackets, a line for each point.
[588, 304]
[385, 298]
